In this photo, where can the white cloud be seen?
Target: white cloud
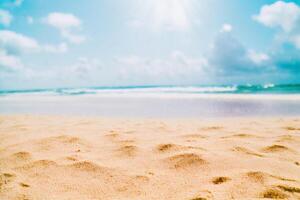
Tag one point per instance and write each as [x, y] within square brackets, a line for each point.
[63, 20]
[285, 15]
[174, 15]
[15, 43]
[11, 46]
[176, 65]
[5, 17]
[61, 48]
[85, 66]
[73, 38]
[282, 14]
[66, 23]
[226, 28]
[257, 57]
[9, 62]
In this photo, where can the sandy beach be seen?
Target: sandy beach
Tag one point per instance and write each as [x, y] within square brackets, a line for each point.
[56, 157]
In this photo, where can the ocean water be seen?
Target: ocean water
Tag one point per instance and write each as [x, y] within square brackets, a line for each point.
[222, 89]
[157, 101]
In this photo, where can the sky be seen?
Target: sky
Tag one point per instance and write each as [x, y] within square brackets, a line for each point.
[79, 43]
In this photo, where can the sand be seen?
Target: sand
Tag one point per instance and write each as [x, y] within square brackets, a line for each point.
[56, 157]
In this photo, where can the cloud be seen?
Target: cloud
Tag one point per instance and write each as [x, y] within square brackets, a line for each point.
[171, 15]
[15, 43]
[282, 14]
[84, 67]
[9, 62]
[226, 28]
[5, 17]
[77, 39]
[66, 23]
[176, 66]
[63, 20]
[228, 57]
[11, 46]
[82, 72]
[230, 61]
[257, 57]
[61, 48]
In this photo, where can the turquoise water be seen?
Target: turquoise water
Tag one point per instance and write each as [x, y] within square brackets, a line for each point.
[222, 89]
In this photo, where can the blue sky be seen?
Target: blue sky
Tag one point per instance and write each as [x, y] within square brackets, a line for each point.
[67, 43]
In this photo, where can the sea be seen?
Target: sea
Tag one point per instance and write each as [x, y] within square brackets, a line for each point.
[222, 89]
[195, 101]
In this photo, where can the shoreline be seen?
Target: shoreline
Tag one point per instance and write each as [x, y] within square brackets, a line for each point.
[227, 96]
[154, 107]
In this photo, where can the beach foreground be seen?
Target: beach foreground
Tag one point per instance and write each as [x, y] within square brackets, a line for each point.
[55, 157]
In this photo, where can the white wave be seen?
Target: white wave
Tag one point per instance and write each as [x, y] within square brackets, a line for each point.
[169, 90]
[76, 91]
[269, 85]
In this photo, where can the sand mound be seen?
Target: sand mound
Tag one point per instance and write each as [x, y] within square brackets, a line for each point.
[25, 185]
[203, 195]
[241, 135]
[258, 177]
[86, 166]
[16, 159]
[186, 160]
[262, 177]
[126, 142]
[246, 151]
[211, 128]
[5, 178]
[62, 139]
[166, 148]
[40, 164]
[289, 139]
[162, 148]
[22, 155]
[67, 139]
[128, 150]
[112, 135]
[6, 182]
[273, 193]
[141, 178]
[195, 136]
[275, 148]
[289, 188]
[290, 128]
[220, 180]
[69, 143]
